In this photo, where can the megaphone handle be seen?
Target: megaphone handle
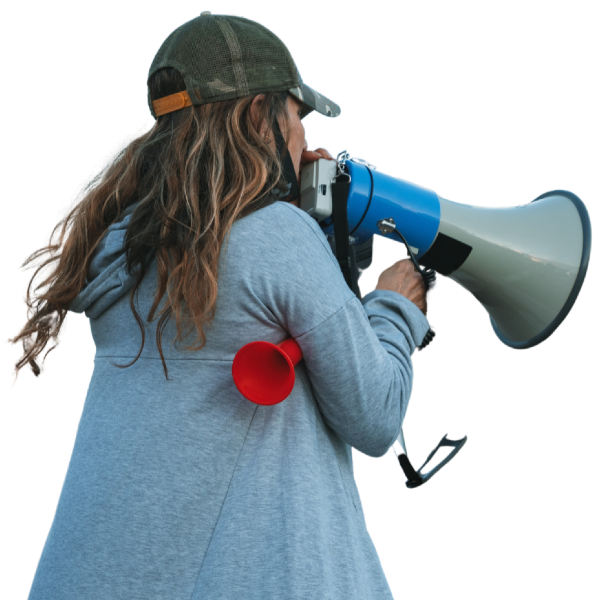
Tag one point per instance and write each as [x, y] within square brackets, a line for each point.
[428, 276]
[427, 339]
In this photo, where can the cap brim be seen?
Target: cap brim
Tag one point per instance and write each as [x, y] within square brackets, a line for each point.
[314, 100]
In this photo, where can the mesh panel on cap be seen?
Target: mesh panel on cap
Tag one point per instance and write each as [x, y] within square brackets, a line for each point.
[258, 64]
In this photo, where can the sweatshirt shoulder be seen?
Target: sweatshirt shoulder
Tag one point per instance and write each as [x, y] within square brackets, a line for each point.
[283, 228]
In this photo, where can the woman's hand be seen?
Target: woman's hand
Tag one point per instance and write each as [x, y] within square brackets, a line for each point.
[403, 279]
[310, 156]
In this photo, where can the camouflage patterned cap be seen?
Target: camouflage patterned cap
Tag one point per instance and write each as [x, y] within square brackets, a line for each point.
[222, 57]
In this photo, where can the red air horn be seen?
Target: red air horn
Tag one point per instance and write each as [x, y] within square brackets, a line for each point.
[264, 372]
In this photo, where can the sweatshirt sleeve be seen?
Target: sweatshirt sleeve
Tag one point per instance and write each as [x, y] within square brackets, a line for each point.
[357, 355]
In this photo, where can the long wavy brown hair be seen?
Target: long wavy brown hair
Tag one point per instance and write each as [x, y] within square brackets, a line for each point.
[194, 174]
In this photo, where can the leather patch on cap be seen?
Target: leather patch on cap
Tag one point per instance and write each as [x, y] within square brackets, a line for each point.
[168, 104]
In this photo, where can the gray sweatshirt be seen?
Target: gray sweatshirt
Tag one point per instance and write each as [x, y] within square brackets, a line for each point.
[185, 490]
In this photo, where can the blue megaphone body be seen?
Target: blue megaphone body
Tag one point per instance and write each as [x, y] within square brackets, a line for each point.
[374, 196]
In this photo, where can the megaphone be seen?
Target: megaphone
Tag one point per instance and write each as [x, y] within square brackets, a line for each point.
[525, 264]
